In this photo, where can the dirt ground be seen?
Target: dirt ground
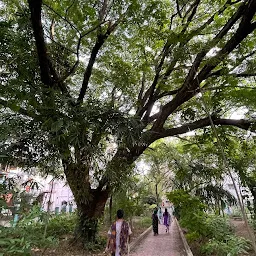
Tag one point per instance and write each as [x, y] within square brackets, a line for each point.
[241, 230]
[67, 248]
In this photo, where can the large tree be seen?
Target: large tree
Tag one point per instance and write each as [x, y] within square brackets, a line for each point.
[91, 84]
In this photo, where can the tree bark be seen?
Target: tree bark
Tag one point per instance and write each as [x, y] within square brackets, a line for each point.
[90, 202]
[88, 214]
[156, 188]
[110, 209]
[252, 188]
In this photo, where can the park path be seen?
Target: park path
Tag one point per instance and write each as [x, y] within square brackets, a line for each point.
[162, 245]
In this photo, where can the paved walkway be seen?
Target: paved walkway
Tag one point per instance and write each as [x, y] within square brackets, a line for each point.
[162, 245]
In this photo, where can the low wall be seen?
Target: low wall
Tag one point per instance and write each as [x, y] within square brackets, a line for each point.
[184, 241]
[141, 237]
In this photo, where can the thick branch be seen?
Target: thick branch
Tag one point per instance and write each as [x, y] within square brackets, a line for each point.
[101, 38]
[219, 73]
[171, 66]
[213, 42]
[73, 68]
[149, 94]
[35, 7]
[211, 19]
[95, 50]
[191, 84]
[49, 75]
[194, 7]
[191, 35]
[243, 124]
[217, 38]
[244, 29]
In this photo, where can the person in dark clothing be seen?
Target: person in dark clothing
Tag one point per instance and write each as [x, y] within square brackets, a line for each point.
[155, 222]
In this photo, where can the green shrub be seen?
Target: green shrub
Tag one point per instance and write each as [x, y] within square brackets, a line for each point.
[253, 224]
[56, 225]
[61, 225]
[230, 246]
[36, 230]
[218, 227]
[98, 245]
[144, 222]
[213, 233]
[20, 241]
[191, 213]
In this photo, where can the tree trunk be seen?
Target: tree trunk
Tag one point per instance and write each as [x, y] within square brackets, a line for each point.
[252, 188]
[156, 189]
[90, 202]
[110, 209]
[217, 206]
[88, 214]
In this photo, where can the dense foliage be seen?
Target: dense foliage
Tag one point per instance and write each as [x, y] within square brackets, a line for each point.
[88, 86]
[21, 239]
[212, 234]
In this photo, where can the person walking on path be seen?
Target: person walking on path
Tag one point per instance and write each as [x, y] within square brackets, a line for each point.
[159, 213]
[119, 236]
[162, 245]
[155, 222]
[167, 220]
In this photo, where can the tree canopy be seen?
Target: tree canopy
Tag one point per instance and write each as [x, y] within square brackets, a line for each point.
[90, 85]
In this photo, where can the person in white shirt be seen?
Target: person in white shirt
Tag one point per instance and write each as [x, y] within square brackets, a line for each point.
[119, 236]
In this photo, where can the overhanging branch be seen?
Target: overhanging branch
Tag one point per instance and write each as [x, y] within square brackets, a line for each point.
[241, 123]
[192, 83]
[147, 107]
[219, 73]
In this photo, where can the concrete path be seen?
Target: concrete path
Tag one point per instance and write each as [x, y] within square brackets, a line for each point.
[162, 245]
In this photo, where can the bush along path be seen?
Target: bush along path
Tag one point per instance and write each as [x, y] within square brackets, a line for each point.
[165, 244]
